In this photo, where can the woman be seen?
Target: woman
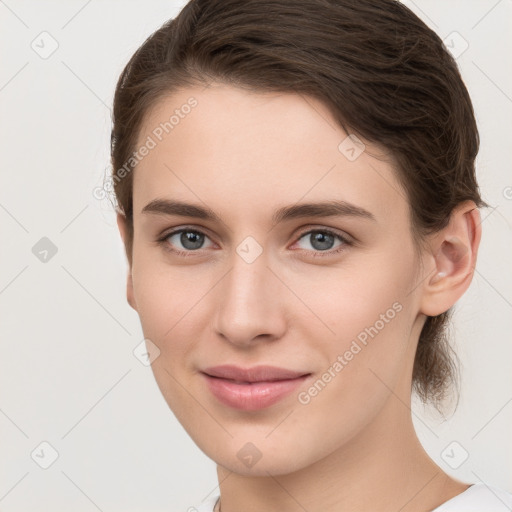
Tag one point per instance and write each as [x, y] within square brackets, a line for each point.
[297, 198]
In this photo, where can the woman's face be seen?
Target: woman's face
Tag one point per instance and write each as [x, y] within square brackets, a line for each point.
[331, 298]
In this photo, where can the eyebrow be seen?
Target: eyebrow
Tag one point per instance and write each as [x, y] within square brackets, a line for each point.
[333, 208]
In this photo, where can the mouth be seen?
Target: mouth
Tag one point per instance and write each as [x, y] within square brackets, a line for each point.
[253, 388]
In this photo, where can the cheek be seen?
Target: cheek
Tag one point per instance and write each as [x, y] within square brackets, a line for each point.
[354, 301]
[369, 312]
[370, 349]
[162, 298]
[175, 308]
[359, 379]
[166, 305]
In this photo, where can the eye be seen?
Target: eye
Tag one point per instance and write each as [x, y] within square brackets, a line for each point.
[323, 241]
[187, 241]
[184, 241]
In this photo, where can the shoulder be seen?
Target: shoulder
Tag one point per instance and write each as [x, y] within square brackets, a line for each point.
[206, 505]
[477, 498]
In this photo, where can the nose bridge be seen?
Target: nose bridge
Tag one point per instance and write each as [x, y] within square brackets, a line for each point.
[248, 302]
[248, 278]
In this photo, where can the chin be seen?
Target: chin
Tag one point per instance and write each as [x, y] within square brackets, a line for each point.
[274, 465]
[260, 457]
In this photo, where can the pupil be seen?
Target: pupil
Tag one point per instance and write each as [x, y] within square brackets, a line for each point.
[191, 240]
[322, 241]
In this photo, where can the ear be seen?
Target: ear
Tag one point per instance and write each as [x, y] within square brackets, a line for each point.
[452, 260]
[123, 229]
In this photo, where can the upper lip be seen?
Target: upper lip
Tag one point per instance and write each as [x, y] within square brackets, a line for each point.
[254, 374]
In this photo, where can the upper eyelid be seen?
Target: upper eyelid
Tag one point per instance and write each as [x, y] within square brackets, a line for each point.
[345, 238]
[173, 231]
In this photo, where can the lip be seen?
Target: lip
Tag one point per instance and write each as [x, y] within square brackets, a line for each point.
[251, 389]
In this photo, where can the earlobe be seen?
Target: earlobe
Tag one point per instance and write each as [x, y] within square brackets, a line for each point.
[453, 260]
[121, 224]
[130, 296]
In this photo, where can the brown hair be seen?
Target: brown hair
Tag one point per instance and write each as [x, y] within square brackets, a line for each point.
[382, 72]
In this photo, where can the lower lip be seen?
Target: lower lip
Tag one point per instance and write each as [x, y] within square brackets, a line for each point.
[252, 397]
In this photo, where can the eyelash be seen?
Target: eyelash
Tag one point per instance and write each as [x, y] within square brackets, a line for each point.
[163, 241]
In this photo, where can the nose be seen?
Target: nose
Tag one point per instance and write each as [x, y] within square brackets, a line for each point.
[250, 305]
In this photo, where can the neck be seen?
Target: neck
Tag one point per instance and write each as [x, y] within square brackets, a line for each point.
[384, 468]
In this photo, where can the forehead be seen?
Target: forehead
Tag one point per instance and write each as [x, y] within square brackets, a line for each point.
[256, 150]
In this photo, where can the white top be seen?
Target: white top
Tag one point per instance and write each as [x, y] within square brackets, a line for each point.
[479, 497]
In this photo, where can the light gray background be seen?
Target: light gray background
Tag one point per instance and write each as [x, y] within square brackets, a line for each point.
[67, 372]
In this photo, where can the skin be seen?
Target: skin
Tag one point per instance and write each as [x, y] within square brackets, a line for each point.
[244, 155]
